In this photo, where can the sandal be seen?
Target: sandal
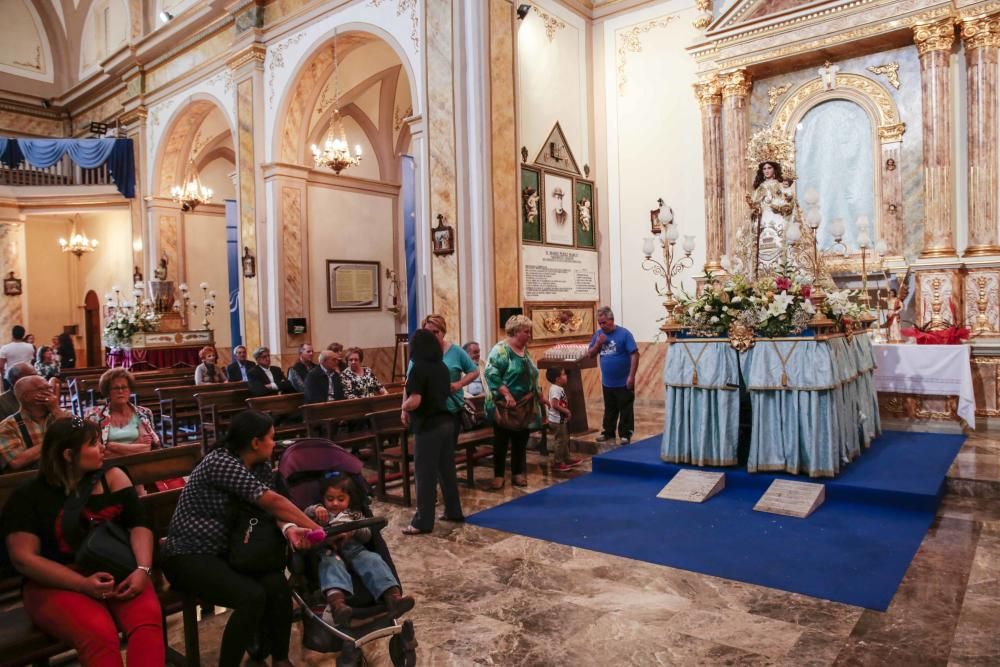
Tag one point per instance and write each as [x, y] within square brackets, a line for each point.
[413, 530]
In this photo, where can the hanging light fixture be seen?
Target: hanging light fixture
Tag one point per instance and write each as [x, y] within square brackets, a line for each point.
[335, 153]
[192, 192]
[78, 243]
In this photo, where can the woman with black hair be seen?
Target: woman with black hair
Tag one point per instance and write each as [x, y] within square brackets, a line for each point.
[425, 409]
[44, 523]
[200, 535]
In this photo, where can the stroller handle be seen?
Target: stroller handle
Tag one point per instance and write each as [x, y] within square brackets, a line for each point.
[318, 535]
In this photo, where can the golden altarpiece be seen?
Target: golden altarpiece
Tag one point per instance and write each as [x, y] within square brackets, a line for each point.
[783, 65]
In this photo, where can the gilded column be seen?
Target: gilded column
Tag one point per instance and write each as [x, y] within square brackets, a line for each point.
[736, 127]
[248, 67]
[709, 95]
[934, 42]
[982, 37]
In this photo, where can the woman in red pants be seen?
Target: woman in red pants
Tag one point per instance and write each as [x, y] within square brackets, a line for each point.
[86, 610]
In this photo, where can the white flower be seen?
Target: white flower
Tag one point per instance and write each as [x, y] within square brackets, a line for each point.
[714, 319]
[737, 299]
[783, 301]
[808, 306]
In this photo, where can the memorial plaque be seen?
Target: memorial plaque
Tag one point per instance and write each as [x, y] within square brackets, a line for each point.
[798, 499]
[693, 486]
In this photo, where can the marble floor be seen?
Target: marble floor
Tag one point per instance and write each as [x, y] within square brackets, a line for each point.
[491, 598]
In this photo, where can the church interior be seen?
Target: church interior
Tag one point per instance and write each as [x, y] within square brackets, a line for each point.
[292, 174]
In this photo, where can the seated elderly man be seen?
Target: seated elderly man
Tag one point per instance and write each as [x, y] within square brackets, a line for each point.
[323, 382]
[8, 401]
[237, 371]
[298, 373]
[22, 433]
[264, 379]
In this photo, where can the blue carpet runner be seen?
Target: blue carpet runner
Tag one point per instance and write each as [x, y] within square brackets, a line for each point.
[854, 549]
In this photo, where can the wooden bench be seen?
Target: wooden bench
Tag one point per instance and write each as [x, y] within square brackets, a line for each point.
[285, 410]
[216, 409]
[474, 443]
[178, 407]
[326, 420]
[391, 446]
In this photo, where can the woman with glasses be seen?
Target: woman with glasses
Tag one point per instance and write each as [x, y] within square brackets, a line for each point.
[126, 428]
[84, 609]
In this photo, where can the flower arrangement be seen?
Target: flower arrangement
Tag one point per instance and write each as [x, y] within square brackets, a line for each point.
[714, 310]
[128, 318]
[841, 307]
[782, 306]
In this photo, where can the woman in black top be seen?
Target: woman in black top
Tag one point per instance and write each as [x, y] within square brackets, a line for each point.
[426, 411]
[86, 610]
[199, 536]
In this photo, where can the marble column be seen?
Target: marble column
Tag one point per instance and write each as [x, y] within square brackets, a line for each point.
[503, 128]
[134, 122]
[12, 260]
[934, 42]
[248, 74]
[982, 39]
[736, 127]
[288, 184]
[709, 95]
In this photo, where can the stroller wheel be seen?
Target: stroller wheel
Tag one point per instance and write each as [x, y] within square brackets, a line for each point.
[403, 647]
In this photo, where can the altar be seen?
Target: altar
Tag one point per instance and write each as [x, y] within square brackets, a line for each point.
[150, 351]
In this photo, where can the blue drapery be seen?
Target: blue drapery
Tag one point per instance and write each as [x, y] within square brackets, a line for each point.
[88, 153]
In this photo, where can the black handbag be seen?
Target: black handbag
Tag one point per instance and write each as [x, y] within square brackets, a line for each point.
[256, 544]
[107, 546]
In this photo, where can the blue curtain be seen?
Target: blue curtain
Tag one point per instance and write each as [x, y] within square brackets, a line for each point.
[88, 153]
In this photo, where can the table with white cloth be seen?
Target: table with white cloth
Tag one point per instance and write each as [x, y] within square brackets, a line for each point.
[930, 370]
[812, 399]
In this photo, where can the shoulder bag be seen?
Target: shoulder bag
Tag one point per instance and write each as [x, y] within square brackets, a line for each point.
[256, 545]
[106, 546]
[522, 414]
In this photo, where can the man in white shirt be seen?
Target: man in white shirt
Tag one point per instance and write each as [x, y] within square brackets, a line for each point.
[15, 352]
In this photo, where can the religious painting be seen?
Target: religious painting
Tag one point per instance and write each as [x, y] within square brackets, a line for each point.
[11, 285]
[585, 214]
[352, 285]
[561, 322]
[558, 203]
[443, 238]
[531, 205]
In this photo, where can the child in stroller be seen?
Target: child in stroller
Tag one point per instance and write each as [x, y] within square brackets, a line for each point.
[343, 502]
[306, 465]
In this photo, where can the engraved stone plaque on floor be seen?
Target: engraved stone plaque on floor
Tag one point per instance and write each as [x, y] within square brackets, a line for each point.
[693, 486]
[798, 499]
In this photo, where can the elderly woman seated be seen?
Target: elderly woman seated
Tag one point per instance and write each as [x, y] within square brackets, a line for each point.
[126, 428]
[359, 381]
[209, 371]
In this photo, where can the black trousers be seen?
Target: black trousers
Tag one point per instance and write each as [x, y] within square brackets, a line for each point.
[433, 464]
[618, 404]
[261, 604]
[518, 441]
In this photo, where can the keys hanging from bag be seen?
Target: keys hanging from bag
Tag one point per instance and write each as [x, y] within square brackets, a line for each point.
[106, 546]
[256, 545]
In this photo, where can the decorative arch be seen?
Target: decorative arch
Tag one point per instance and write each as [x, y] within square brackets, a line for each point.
[312, 71]
[176, 141]
[867, 93]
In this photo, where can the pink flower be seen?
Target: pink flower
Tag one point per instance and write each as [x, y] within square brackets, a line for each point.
[782, 283]
[806, 291]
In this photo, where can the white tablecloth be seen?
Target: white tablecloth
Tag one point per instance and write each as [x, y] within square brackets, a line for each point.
[943, 370]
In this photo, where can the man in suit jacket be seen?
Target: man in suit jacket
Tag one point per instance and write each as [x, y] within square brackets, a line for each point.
[298, 372]
[323, 382]
[265, 379]
[237, 371]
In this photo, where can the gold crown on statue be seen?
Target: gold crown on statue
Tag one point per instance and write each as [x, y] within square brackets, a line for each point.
[772, 145]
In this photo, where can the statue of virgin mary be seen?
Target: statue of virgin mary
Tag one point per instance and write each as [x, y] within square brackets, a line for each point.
[773, 203]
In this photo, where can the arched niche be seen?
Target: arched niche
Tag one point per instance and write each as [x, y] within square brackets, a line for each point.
[183, 141]
[886, 132]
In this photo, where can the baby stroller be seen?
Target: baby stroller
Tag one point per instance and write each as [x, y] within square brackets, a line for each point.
[303, 466]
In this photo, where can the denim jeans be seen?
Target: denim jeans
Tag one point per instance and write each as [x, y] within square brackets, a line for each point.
[374, 571]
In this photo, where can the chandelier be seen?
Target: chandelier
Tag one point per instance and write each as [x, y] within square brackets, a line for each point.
[78, 243]
[192, 192]
[335, 153]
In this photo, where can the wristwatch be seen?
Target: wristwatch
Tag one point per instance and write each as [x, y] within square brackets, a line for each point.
[145, 568]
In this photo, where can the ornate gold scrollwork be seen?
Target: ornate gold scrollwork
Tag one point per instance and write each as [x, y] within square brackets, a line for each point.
[708, 92]
[740, 337]
[980, 31]
[938, 36]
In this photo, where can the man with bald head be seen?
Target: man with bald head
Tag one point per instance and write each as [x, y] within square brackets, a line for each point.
[323, 382]
[8, 401]
[22, 433]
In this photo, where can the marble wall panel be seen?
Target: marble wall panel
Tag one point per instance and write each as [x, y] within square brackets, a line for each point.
[908, 101]
[294, 289]
[503, 134]
[21, 124]
[441, 143]
[11, 259]
[248, 209]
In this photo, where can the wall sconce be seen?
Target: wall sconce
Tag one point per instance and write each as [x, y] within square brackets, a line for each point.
[249, 263]
[522, 11]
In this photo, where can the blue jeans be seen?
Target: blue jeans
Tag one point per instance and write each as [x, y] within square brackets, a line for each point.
[374, 571]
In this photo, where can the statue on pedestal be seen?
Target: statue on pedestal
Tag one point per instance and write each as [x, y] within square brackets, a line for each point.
[160, 272]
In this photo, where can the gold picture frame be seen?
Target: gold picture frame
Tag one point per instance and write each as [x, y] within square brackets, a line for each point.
[562, 321]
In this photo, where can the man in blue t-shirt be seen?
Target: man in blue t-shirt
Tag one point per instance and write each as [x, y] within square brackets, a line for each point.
[619, 361]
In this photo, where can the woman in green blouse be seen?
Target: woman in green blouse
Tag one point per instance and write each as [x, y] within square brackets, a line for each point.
[510, 375]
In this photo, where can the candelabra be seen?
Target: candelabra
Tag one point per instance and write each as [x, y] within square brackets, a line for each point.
[672, 265]
[183, 304]
[864, 244]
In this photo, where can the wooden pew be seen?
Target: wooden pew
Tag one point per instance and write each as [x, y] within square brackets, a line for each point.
[477, 444]
[395, 387]
[178, 406]
[216, 409]
[324, 420]
[285, 410]
[391, 446]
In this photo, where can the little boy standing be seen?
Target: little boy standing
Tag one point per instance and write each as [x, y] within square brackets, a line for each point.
[559, 415]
